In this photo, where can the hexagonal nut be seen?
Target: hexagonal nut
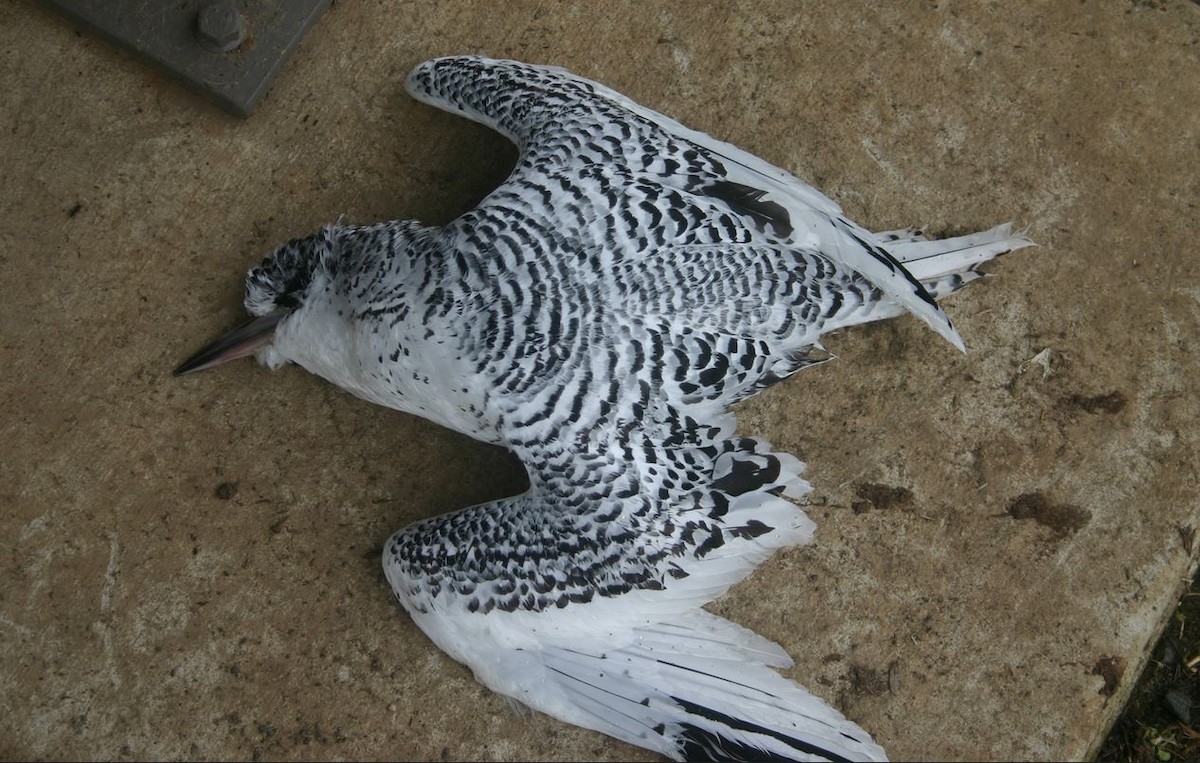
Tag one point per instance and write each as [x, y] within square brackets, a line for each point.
[220, 26]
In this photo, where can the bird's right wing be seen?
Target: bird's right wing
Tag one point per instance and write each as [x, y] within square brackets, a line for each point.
[582, 597]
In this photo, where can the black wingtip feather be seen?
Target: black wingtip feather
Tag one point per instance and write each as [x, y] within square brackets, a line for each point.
[697, 743]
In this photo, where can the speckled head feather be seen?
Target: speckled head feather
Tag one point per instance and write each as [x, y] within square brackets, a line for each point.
[282, 280]
[598, 314]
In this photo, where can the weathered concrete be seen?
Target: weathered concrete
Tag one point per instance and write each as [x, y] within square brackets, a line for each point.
[192, 564]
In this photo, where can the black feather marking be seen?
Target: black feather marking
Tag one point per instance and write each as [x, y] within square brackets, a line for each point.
[715, 540]
[751, 529]
[697, 744]
[746, 475]
[701, 744]
[747, 200]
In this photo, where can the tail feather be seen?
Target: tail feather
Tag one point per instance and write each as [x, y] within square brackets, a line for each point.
[943, 266]
[888, 237]
[928, 260]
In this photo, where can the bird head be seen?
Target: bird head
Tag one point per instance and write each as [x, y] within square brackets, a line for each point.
[276, 290]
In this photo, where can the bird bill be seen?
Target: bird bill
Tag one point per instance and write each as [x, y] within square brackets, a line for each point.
[238, 343]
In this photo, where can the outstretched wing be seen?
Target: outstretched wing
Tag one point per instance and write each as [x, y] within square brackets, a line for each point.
[558, 119]
[581, 597]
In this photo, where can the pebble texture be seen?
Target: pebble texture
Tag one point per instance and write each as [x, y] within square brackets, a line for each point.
[192, 565]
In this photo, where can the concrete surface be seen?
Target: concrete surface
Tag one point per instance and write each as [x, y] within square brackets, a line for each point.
[191, 565]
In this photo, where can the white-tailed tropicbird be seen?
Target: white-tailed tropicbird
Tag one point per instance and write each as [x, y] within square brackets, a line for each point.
[598, 314]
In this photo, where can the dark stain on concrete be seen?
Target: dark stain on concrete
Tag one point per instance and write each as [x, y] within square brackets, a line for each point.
[1110, 402]
[872, 495]
[1063, 518]
[1111, 669]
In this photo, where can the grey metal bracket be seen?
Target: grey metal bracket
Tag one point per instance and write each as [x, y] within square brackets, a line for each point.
[228, 50]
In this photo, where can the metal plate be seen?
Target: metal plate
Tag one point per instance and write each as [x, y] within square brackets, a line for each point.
[165, 33]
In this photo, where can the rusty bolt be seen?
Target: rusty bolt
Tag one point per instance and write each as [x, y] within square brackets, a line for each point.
[220, 27]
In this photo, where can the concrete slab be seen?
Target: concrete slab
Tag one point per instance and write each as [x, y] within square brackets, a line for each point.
[192, 564]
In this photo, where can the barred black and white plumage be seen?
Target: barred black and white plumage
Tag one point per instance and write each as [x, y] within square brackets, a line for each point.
[598, 313]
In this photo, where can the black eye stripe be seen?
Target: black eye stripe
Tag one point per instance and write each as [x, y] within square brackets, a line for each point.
[284, 276]
[288, 301]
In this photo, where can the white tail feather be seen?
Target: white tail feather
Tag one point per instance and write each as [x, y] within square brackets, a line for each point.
[903, 234]
[943, 266]
[928, 260]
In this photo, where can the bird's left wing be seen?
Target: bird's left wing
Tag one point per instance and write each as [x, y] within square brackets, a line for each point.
[558, 118]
